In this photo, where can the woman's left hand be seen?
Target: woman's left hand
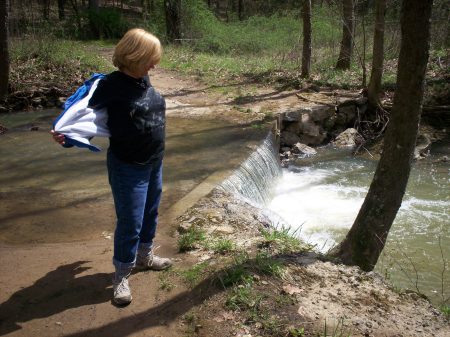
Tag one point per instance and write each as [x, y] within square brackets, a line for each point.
[58, 137]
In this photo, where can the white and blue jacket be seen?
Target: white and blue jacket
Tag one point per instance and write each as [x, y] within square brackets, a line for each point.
[78, 123]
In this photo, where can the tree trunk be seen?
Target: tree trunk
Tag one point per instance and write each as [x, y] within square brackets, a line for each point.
[4, 49]
[61, 14]
[376, 74]
[77, 14]
[46, 9]
[93, 5]
[173, 20]
[240, 10]
[345, 54]
[366, 239]
[95, 27]
[363, 57]
[306, 54]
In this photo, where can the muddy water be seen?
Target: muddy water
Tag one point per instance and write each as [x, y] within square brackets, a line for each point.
[51, 194]
[319, 198]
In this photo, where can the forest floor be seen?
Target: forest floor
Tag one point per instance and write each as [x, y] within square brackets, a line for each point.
[235, 280]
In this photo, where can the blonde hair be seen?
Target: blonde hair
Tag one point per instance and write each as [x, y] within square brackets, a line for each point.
[136, 49]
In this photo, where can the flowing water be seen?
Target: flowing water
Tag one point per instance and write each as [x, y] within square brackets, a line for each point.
[319, 198]
[254, 179]
[51, 194]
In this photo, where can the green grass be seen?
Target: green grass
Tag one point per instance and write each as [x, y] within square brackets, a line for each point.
[238, 273]
[50, 62]
[165, 282]
[282, 241]
[445, 309]
[266, 264]
[223, 246]
[191, 239]
[193, 275]
[244, 299]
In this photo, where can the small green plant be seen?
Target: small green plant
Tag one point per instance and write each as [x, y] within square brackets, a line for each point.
[244, 299]
[282, 241]
[266, 264]
[164, 281]
[193, 275]
[223, 246]
[191, 239]
[257, 126]
[237, 274]
[445, 309]
[296, 332]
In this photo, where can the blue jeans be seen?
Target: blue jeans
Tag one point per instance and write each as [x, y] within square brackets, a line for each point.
[136, 191]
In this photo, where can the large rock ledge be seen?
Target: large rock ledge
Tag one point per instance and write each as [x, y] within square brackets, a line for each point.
[320, 118]
[325, 117]
[312, 291]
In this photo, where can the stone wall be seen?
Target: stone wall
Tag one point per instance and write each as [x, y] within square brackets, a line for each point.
[317, 123]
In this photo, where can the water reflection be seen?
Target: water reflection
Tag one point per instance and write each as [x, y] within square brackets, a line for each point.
[52, 194]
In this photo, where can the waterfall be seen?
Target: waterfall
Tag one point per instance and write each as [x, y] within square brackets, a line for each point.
[256, 177]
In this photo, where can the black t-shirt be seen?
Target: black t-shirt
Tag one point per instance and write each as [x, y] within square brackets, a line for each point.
[136, 117]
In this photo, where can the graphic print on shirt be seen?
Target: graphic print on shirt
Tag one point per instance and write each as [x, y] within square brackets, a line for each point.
[148, 113]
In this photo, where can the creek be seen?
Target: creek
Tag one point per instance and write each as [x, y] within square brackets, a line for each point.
[319, 197]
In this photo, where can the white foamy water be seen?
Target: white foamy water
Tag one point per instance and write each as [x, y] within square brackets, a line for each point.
[312, 208]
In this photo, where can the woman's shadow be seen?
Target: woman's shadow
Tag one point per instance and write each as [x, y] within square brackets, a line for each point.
[57, 291]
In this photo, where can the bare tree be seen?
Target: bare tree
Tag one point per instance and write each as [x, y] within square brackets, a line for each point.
[4, 49]
[348, 23]
[61, 11]
[240, 10]
[173, 19]
[376, 74]
[46, 9]
[306, 54]
[367, 237]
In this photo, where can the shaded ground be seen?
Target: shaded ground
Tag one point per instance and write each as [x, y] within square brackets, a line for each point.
[65, 289]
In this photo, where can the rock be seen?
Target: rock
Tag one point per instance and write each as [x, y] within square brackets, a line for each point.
[289, 138]
[329, 123]
[291, 290]
[3, 129]
[292, 116]
[224, 229]
[60, 101]
[36, 101]
[349, 137]
[294, 127]
[313, 139]
[302, 148]
[423, 144]
[321, 112]
[341, 119]
[184, 227]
